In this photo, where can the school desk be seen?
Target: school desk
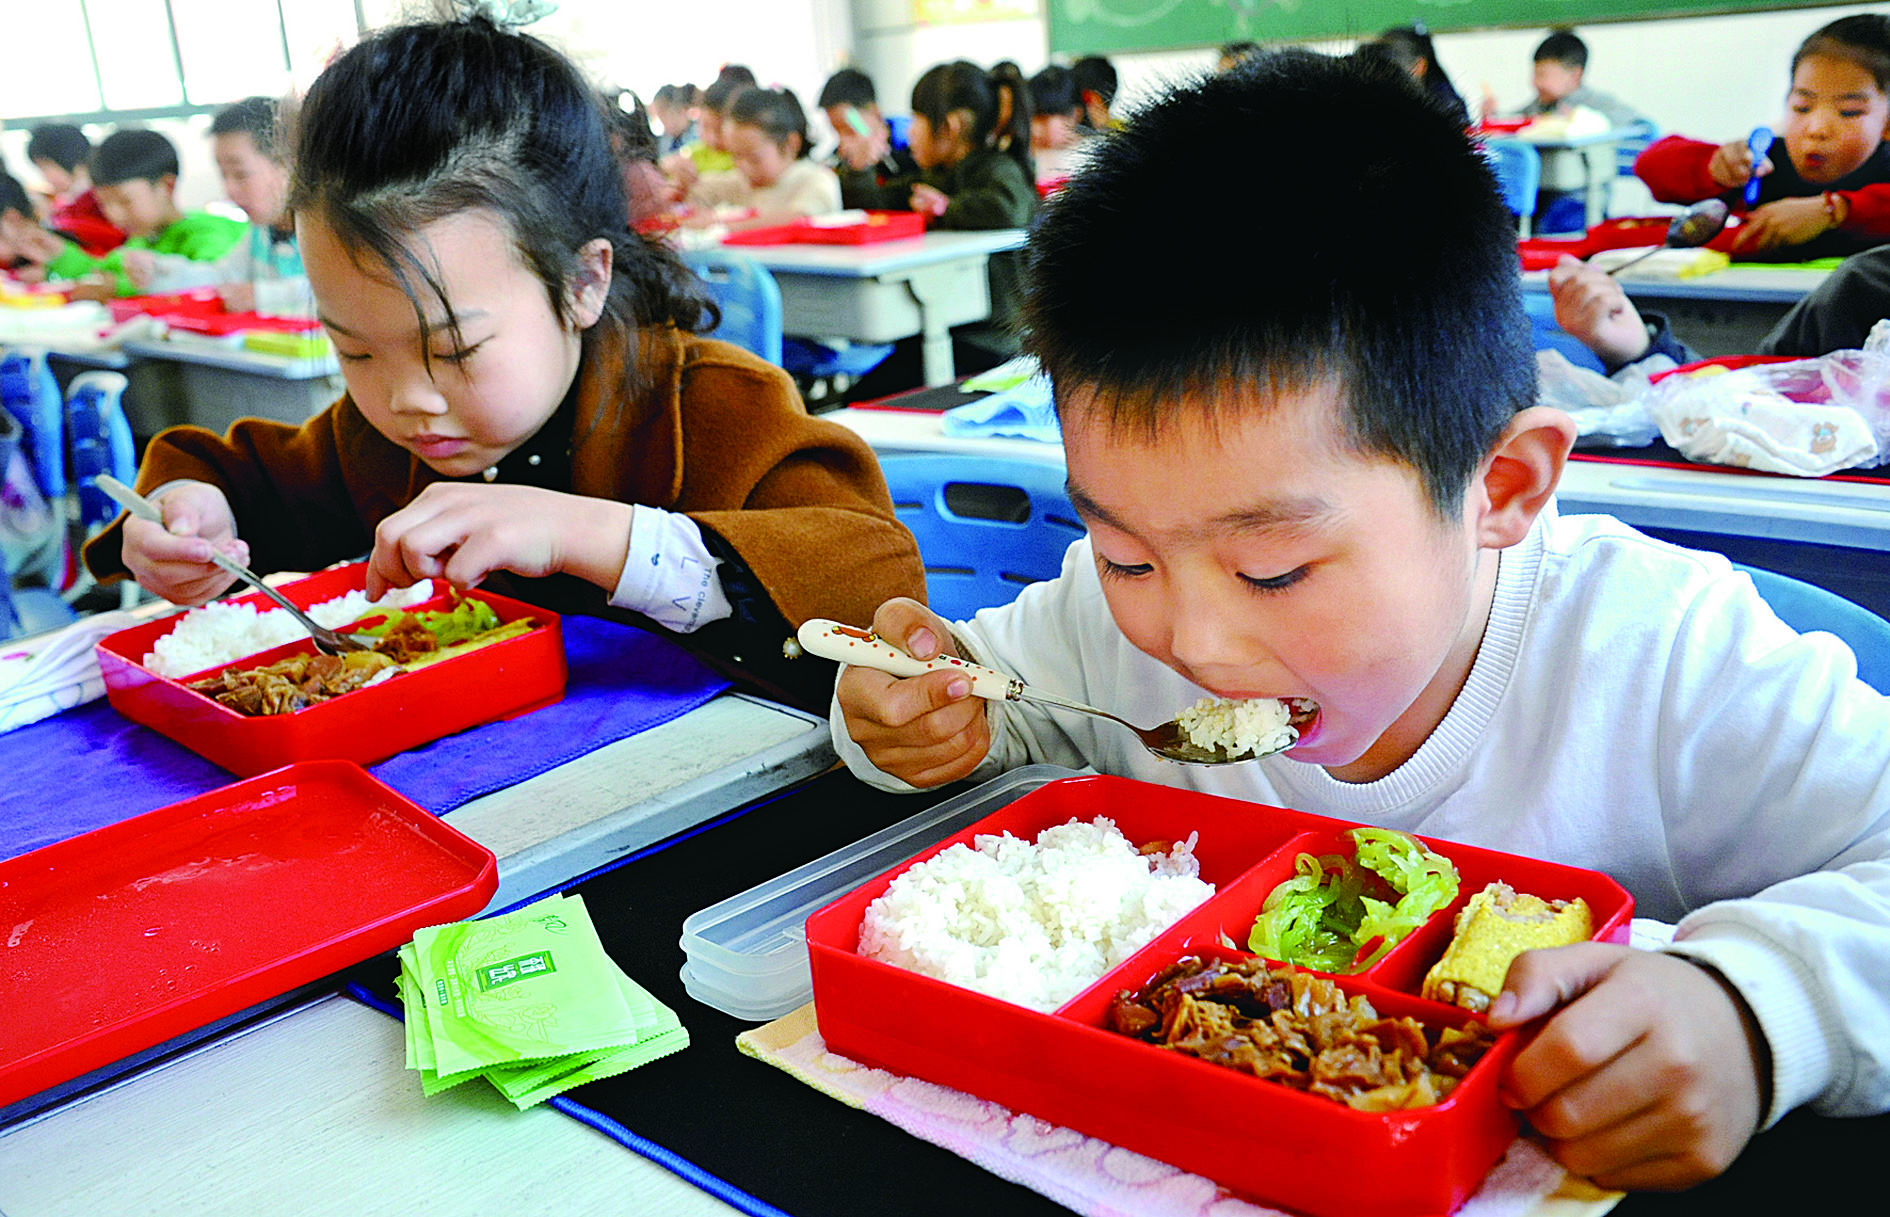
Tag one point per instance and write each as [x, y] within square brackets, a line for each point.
[185, 380]
[1579, 164]
[889, 290]
[1725, 312]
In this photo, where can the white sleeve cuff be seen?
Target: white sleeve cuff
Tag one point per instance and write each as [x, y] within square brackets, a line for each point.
[669, 575]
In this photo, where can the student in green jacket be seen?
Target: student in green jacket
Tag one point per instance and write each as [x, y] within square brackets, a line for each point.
[135, 175]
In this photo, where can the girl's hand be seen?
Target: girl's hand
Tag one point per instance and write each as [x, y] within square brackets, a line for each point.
[1591, 307]
[462, 532]
[1650, 1072]
[174, 561]
[139, 265]
[1783, 222]
[929, 200]
[1731, 165]
[238, 297]
[925, 730]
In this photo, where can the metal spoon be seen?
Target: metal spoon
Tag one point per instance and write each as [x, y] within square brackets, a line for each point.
[1690, 229]
[326, 640]
[865, 649]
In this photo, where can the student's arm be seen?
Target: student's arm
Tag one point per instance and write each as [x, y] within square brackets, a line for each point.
[1001, 195]
[814, 190]
[1677, 170]
[1865, 212]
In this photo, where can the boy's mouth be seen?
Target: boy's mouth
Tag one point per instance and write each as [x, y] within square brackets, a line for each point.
[1302, 714]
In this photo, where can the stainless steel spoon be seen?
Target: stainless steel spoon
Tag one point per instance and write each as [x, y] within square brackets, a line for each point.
[1690, 229]
[326, 640]
[865, 649]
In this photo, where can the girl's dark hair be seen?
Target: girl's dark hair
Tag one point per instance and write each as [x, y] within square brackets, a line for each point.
[61, 143]
[848, 87]
[962, 85]
[1408, 46]
[420, 122]
[777, 112]
[732, 79]
[254, 117]
[1863, 40]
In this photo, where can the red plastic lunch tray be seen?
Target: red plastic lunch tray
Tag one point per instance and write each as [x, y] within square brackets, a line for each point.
[140, 932]
[502, 680]
[1276, 1144]
[878, 226]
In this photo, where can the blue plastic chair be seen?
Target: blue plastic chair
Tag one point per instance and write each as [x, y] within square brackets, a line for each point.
[748, 296]
[24, 610]
[1806, 607]
[986, 527]
[1518, 169]
[1546, 335]
[29, 392]
[1634, 139]
[99, 441]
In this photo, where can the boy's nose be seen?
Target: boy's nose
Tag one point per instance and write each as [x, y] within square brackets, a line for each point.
[1206, 636]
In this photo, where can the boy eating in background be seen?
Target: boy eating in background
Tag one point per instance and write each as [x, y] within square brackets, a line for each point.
[135, 174]
[1336, 486]
[1561, 61]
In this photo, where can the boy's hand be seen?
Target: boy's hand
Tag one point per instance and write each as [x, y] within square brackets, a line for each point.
[1783, 222]
[862, 151]
[174, 561]
[139, 266]
[462, 532]
[237, 297]
[1591, 307]
[924, 730]
[929, 200]
[1649, 1075]
[1731, 165]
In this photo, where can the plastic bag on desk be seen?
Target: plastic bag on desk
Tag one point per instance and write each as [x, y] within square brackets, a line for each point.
[1803, 417]
[1607, 413]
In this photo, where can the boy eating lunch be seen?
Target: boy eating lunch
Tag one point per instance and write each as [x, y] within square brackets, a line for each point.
[1311, 466]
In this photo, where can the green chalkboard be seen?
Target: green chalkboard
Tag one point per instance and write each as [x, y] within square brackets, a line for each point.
[1080, 27]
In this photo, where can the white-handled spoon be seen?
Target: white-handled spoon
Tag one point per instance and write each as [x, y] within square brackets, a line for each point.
[865, 649]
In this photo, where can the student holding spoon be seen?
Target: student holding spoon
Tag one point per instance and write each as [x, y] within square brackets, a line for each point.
[1336, 486]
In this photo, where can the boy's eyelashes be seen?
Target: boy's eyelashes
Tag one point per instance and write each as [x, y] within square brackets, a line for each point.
[1272, 583]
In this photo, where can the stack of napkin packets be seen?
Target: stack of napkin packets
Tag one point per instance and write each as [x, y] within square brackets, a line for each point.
[528, 1000]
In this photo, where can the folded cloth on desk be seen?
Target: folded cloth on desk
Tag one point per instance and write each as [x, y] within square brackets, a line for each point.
[41, 676]
[1091, 1176]
[1007, 375]
[1025, 412]
[91, 766]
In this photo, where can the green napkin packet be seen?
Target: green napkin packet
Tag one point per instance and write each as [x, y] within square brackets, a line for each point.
[529, 1001]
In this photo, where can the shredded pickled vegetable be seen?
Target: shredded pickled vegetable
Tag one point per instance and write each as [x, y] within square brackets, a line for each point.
[1333, 914]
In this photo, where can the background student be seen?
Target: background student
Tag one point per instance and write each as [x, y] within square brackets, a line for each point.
[1561, 63]
[527, 404]
[708, 152]
[263, 272]
[1412, 49]
[1340, 488]
[60, 152]
[647, 192]
[875, 169]
[135, 174]
[1096, 84]
[674, 109]
[1824, 185]
[1056, 123]
[765, 131]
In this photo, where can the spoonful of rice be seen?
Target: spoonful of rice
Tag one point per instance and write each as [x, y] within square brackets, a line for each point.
[1214, 731]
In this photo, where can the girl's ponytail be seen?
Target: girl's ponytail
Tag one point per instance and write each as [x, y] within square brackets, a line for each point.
[1011, 126]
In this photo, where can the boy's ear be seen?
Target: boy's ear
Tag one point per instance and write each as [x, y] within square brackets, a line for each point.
[1519, 475]
[166, 184]
[590, 287]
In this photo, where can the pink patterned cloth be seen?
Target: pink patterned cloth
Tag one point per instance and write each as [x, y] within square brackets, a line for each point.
[1094, 1177]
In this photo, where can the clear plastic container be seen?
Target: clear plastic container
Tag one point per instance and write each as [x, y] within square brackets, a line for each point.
[747, 955]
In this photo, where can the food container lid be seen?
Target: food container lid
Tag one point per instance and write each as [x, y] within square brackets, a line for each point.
[747, 955]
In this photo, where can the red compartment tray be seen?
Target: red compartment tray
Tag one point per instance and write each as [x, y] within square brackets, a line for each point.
[1275, 1144]
[140, 932]
[499, 681]
[878, 226]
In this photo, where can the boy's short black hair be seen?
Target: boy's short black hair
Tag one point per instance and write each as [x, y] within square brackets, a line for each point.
[1564, 48]
[1097, 75]
[1053, 91]
[13, 196]
[1425, 339]
[1863, 40]
[254, 117]
[61, 143]
[675, 95]
[848, 87]
[133, 154]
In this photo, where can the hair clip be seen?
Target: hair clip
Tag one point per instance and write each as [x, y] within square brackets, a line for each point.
[506, 14]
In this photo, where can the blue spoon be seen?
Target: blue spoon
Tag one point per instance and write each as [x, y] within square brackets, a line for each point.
[1758, 144]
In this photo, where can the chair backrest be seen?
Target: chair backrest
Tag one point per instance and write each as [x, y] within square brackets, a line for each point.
[99, 437]
[986, 526]
[1634, 139]
[31, 394]
[1518, 169]
[1806, 607]
[748, 296]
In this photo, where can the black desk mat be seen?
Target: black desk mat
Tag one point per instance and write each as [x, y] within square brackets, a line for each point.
[787, 1144]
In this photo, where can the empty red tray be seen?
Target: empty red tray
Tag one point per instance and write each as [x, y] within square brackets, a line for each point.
[143, 931]
[1276, 1144]
[878, 226]
[498, 681]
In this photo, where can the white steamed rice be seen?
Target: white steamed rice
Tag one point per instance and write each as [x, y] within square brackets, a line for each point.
[1032, 923]
[223, 631]
[1256, 725]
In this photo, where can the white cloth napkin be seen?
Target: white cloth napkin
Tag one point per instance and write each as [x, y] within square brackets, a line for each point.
[42, 675]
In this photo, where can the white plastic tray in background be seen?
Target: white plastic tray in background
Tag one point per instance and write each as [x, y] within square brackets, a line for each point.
[747, 955]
